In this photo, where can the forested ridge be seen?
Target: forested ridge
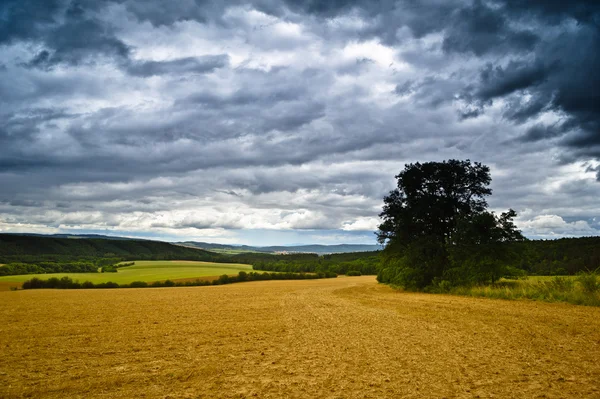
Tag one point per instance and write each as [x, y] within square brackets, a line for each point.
[29, 249]
[23, 254]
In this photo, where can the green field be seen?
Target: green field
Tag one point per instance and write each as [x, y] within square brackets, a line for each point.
[148, 271]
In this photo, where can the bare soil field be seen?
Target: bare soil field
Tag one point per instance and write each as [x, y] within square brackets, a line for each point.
[332, 338]
[7, 285]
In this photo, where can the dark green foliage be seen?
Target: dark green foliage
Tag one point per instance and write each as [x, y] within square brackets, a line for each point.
[477, 254]
[430, 199]
[11, 269]
[560, 283]
[68, 283]
[364, 262]
[253, 258]
[109, 269]
[566, 256]
[33, 284]
[109, 284]
[353, 273]
[34, 249]
[436, 227]
[589, 282]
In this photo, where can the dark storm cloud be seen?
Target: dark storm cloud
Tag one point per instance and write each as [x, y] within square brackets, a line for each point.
[27, 122]
[554, 47]
[186, 65]
[554, 11]
[542, 132]
[480, 29]
[561, 78]
[25, 203]
[68, 30]
[23, 19]
[167, 13]
[288, 113]
[499, 81]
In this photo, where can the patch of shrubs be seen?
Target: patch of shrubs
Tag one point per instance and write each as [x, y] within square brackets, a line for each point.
[112, 268]
[353, 273]
[138, 284]
[68, 283]
[589, 282]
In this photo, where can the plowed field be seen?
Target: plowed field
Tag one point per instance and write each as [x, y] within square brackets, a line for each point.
[333, 338]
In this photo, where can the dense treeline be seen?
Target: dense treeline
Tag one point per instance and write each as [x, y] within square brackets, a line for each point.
[363, 262]
[251, 258]
[35, 249]
[48, 267]
[68, 283]
[566, 256]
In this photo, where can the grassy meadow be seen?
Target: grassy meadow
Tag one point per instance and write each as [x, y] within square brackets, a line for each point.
[147, 271]
[579, 290]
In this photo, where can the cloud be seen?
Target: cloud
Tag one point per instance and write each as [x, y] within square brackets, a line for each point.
[68, 31]
[229, 119]
[203, 64]
[499, 81]
[554, 226]
[362, 224]
[479, 28]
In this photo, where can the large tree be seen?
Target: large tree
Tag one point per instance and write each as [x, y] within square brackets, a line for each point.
[437, 207]
[430, 199]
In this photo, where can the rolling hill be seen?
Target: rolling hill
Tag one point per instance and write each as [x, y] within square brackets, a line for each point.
[315, 248]
[20, 247]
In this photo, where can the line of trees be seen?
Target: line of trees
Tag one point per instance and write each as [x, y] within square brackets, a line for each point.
[68, 283]
[565, 256]
[366, 263]
[12, 269]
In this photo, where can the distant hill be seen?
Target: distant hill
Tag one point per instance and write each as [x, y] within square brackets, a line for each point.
[75, 236]
[316, 248]
[23, 247]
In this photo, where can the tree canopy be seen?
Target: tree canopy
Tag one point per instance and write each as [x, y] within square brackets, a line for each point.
[435, 219]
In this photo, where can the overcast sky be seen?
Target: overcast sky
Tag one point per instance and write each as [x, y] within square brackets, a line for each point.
[284, 122]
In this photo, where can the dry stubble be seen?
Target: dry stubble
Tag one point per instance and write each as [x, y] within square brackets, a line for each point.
[337, 338]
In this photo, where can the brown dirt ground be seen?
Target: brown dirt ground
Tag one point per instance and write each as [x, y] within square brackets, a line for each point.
[334, 338]
[7, 285]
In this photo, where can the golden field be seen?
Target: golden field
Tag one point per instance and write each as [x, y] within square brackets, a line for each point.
[335, 338]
